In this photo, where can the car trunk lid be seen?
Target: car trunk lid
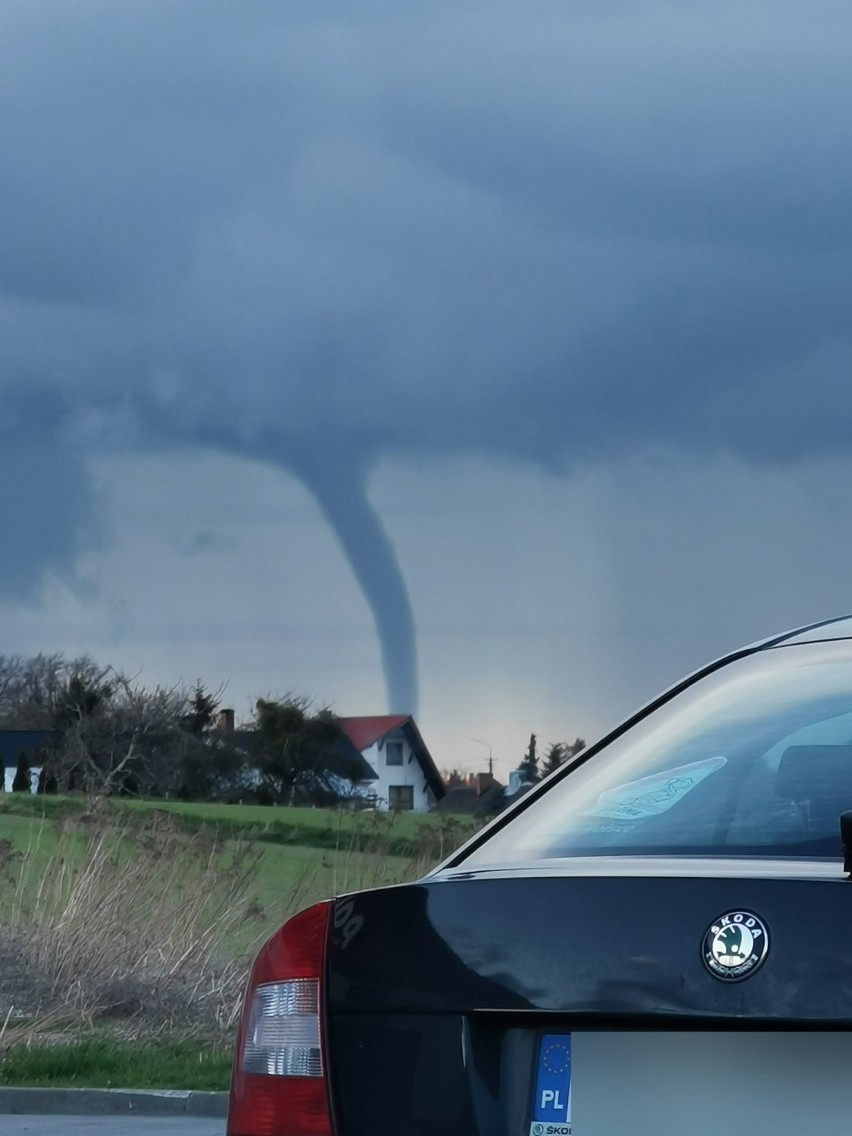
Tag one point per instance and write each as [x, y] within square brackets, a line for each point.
[439, 993]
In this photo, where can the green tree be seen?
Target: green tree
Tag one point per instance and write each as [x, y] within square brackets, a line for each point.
[529, 766]
[560, 752]
[202, 710]
[302, 756]
[21, 782]
[553, 758]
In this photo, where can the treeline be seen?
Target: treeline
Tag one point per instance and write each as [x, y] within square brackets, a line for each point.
[532, 767]
[104, 733]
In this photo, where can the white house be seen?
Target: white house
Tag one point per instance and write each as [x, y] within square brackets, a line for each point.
[406, 775]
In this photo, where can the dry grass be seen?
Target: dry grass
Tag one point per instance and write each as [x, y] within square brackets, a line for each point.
[365, 852]
[124, 926]
[137, 925]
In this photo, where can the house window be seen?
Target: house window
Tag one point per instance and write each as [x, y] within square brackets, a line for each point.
[401, 797]
[393, 753]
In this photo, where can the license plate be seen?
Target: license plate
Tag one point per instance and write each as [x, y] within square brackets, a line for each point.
[701, 1083]
[550, 1112]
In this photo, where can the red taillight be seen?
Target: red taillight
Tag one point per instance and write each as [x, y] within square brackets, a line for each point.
[279, 1085]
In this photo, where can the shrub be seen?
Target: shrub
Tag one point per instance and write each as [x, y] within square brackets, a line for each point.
[21, 780]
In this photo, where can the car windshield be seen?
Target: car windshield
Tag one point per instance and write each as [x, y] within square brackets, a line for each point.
[754, 759]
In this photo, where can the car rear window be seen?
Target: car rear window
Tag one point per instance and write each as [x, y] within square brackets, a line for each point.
[754, 759]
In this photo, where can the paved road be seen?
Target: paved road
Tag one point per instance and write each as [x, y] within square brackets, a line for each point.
[110, 1126]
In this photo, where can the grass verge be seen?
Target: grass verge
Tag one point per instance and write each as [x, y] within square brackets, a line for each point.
[101, 1063]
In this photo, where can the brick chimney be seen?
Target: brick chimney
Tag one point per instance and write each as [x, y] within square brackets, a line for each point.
[483, 782]
[225, 721]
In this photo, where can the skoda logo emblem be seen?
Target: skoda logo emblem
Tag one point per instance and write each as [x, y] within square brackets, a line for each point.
[735, 945]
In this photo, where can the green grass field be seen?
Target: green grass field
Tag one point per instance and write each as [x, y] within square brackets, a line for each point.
[398, 834]
[306, 854]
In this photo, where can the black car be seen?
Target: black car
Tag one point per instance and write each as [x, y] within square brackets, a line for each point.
[655, 940]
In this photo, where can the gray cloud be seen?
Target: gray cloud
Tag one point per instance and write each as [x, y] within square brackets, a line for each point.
[554, 234]
[48, 512]
[205, 541]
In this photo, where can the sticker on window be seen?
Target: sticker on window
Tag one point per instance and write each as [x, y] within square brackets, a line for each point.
[650, 796]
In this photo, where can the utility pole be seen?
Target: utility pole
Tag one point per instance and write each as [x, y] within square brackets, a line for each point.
[490, 754]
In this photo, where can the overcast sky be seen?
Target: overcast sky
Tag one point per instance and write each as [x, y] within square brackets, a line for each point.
[489, 359]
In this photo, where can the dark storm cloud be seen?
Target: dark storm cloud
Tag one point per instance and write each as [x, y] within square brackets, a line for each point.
[544, 231]
[46, 500]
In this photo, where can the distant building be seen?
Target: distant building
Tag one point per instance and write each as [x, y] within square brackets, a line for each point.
[30, 743]
[480, 794]
[406, 775]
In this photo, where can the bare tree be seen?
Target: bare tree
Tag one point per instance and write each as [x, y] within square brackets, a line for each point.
[113, 735]
[11, 675]
[31, 687]
[110, 734]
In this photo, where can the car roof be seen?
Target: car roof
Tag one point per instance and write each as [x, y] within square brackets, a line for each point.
[838, 628]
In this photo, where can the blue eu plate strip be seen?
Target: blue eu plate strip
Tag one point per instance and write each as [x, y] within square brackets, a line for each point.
[552, 1099]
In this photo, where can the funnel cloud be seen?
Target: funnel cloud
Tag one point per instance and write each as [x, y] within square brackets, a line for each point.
[342, 496]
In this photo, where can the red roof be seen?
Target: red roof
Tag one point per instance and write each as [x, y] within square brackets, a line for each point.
[362, 732]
